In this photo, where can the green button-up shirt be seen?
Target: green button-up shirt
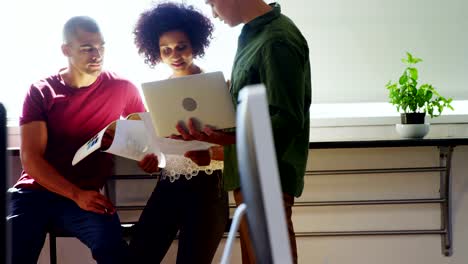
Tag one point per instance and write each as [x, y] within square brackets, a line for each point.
[271, 50]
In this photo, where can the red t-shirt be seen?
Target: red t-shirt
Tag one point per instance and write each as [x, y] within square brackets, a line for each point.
[73, 116]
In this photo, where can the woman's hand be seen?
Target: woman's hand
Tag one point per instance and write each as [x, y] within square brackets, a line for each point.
[217, 153]
[200, 157]
[208, 134]
[149, 163]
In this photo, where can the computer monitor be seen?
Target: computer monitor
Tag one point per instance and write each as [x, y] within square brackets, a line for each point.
[3, 177]
[259, 176]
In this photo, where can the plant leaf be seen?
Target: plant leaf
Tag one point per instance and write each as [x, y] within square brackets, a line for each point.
[403, 79]
[413, 73]
[407, 97]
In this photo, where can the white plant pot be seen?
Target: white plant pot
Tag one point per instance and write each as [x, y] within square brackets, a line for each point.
[412, 130]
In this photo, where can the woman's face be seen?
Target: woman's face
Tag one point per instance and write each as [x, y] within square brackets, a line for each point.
[176, 50]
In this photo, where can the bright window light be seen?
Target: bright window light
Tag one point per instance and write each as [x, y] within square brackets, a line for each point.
[32, 35]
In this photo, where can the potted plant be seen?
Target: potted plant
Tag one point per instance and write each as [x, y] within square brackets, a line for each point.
[415, 102]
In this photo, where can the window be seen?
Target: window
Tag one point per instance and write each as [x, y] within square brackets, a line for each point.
[32, 35]
[355, 46]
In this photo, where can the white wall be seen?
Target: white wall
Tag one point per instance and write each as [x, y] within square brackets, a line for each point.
[44, 57]
[356, 46]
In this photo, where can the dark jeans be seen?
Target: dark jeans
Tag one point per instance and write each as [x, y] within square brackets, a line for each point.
[31, 213]
[197, 208]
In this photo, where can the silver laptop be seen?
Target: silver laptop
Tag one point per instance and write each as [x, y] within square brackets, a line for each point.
[204, 97]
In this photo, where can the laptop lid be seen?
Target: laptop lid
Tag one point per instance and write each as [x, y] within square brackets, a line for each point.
[204, 97]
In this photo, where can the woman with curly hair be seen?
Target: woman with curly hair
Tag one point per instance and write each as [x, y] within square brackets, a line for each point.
[195, 207]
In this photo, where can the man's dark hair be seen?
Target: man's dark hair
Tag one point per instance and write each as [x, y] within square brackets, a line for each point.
[79, 22]
[167, 17]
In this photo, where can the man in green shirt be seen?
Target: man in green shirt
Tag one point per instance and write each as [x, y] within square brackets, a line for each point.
[271, 50]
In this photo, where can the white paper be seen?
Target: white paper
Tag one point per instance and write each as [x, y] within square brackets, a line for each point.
[131, 141]
[171, 146]
[89, 147]
[134, 139]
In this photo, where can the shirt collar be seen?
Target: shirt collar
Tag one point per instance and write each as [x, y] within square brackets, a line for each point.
[259, 22]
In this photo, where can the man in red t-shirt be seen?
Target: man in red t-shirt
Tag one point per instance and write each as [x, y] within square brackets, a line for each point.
[60, 113]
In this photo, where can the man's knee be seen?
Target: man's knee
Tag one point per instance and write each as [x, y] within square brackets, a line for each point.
[109, 247]
[110, 250]
[102, 234]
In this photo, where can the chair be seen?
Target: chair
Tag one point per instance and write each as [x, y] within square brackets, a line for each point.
[110, 192]
[55, 233]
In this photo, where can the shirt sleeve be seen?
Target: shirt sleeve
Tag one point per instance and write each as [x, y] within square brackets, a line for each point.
[134, 101]
[34, 106]
[283, 73]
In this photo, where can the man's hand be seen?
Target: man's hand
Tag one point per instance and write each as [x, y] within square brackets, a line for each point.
[200, 157]
[149, 163]
[107, 140]
[208, 134]
[95, 202]
[108, 137]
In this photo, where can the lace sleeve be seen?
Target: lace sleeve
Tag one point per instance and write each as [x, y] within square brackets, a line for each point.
[177, 166]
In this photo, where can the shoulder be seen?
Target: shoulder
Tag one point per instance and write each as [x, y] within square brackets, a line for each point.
[47, 87]
[283, 32]
[283, 26]
[119, 87]
[283, 39]
[40, 98]
[115, 80]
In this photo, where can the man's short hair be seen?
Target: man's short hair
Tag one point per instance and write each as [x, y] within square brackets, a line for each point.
[79, 22]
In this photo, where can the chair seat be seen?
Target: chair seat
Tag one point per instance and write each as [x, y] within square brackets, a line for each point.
[59, 232]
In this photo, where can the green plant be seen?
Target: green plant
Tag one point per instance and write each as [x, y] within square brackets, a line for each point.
[408, 97]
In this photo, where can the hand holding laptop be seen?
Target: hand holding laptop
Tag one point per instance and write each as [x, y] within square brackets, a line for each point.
[202, 96]
[190, 131]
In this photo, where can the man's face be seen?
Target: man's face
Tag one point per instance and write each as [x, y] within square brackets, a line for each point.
[176, 50]
[226, 10]
[85, 52]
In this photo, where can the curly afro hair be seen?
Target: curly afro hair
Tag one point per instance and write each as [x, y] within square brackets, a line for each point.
[166, 17]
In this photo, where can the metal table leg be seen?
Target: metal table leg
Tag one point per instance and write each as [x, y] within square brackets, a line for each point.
[445, 160]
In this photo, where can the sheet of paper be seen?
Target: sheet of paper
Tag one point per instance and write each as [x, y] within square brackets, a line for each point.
[171, 146]
[92, 145]
[134, 139]
[179, 147]
[131, 141]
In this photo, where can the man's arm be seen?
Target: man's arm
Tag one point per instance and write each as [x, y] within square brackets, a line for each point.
[33, 145]
[283, 70]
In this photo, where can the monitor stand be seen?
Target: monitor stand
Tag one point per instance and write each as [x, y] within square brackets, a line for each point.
[236, 220]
